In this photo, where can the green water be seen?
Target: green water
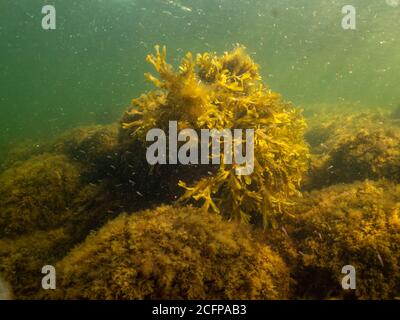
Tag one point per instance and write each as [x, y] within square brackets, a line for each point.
[92, 65]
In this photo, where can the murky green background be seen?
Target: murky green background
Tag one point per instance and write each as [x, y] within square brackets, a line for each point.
[89, 68]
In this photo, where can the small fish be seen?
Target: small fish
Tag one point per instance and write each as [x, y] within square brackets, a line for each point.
[185, 8]
[138, 193]
[380, 259]
[324, 146]
[180, 6]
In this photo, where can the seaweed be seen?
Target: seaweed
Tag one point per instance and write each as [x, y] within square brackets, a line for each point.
[20, 151]
[36, 194]
[218, 92]
[355, 224]
[60, 213]
[172, 253]
[94, 146]
[22, 259]
[64, 202]
[353, 147]
[366, 155]
[330, 128]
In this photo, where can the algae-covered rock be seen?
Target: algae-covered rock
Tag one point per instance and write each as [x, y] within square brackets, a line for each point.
[88, 143]
[23, 256]
[368, 155]
[22, 259]
[36, 194]
[352, 147]
[356, 224]
[172, 253]
[46, 192]
[365, 155]
[95, 146]
[17, 152]
[96, 204]
[329, 129]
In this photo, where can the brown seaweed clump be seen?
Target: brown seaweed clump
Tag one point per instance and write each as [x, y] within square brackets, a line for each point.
[358, 225]
[36, 194]
[172, 253]
[220, 92]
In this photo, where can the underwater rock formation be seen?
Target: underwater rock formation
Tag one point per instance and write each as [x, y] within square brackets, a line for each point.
[365, 155]
[368, 155]
[47, 192]
[22, 151]
[45, 211]
[353, 147]
[36, 194]
[172, 253]
[22, 259]
[61, 196]
[219, 92]
[327, 131]
[356, 224]
[94, 146]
